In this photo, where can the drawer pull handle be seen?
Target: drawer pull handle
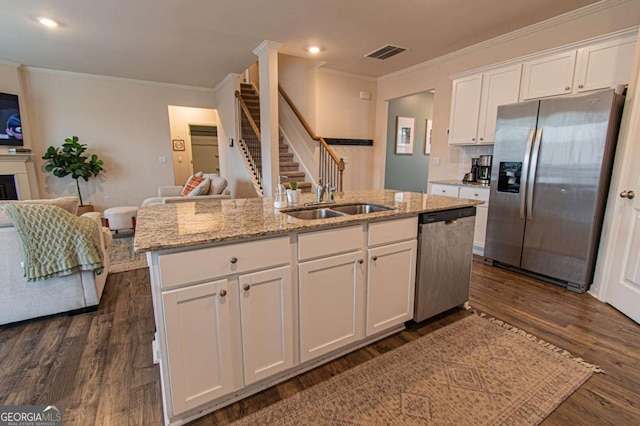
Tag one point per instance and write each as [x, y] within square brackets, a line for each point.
[374, 258]
[476, 194]
[567, 88]
[223, 293]
[360, 261]
[246, 287]
[233, 260]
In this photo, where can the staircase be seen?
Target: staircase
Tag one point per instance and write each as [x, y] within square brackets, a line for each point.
[289, 169]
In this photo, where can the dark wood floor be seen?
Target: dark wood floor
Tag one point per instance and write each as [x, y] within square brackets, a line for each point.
[98, 365]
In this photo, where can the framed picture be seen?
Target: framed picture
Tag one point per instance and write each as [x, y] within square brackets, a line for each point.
[405, 134]
[427, 136]
[178, 144]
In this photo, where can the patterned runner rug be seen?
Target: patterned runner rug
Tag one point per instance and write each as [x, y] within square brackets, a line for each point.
[473, 372]
[122, 256]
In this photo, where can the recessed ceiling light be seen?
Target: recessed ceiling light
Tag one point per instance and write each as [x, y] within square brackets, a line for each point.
[314, 49]
[48, 22]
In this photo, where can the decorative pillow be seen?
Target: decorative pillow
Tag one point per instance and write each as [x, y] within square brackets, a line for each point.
[196, 186]
[70, 204]
[218, 184]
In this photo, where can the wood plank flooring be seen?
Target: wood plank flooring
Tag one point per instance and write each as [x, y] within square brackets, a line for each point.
[98, 365]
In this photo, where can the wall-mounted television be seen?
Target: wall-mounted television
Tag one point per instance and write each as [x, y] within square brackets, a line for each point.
[10, 125]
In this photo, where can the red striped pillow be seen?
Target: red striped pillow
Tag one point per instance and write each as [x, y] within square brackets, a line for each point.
[191, 185]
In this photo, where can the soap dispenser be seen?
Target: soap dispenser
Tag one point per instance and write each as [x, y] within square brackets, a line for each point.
[280, 195]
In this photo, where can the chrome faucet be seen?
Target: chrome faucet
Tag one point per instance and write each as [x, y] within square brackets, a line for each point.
[320, 191]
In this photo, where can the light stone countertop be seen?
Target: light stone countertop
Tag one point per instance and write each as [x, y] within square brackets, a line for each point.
[184, 224]
[460, 183]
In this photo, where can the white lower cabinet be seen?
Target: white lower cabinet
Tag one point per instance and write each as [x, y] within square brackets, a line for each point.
[266, 318]
[331, 303]
[198, 343]
[390, 285]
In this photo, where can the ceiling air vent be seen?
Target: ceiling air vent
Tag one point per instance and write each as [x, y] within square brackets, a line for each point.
[385, 52]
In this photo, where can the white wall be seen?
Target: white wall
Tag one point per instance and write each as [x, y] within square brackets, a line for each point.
[124, 122]
[179, 120]
[435, 74]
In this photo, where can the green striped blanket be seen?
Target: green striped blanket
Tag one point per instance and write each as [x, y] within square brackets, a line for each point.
[54, 241]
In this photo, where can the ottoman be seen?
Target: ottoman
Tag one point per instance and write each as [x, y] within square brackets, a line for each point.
[119, 218]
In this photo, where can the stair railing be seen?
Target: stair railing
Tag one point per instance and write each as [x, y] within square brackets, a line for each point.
[330, 167]
[249, 143]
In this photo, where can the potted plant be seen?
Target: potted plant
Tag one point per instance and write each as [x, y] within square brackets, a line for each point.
[69, 159]
[293, 193]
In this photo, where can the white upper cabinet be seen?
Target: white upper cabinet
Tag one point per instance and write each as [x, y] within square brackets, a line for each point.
[605, 64]
[499, 87]
[548, 76]
[475, 104]
[465, 110]
[598, 66]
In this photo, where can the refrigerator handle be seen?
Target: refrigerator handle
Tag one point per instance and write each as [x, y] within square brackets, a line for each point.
[525, 168]
[532, 177]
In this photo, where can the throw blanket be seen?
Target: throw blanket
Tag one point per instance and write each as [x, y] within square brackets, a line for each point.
[54, 241]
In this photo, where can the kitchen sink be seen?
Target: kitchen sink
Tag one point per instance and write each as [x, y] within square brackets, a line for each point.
[315, 214]
[361, 208]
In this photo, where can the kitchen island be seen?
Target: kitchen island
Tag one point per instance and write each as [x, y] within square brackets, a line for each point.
[246, 296]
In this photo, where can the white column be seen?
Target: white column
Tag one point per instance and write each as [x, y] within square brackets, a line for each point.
[267, 53]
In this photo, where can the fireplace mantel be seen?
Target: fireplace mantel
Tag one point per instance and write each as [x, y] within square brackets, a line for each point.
[15, 164]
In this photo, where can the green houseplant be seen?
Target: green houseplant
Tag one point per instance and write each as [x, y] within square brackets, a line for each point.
[69, 160]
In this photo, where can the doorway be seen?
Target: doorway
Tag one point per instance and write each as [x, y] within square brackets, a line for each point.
[204, 148]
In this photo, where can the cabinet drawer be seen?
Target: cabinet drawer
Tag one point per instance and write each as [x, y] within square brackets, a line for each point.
[446, 190]
[205, 264]
[392, 231]
[330, 242]
[472, 193]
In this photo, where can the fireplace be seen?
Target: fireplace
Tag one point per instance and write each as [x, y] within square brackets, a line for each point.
[8, 189]
[14, 176]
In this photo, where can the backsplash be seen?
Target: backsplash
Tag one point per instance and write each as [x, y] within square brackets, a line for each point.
[469, 152]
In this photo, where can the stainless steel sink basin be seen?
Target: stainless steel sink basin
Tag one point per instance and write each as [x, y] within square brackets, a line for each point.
[315, 214]
[361, 208]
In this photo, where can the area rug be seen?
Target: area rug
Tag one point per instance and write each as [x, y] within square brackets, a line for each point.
[122, 256]
[472, 372]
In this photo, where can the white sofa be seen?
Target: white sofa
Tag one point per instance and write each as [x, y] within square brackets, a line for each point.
[172, 194]
[21, 300]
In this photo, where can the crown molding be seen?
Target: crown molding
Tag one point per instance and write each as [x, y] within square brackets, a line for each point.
[230, 78]
[117, 79]
[496, 41]
[346, 74]
[265, 46]
[9, 63]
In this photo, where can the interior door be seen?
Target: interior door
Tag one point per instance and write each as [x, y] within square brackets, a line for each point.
[623, 291]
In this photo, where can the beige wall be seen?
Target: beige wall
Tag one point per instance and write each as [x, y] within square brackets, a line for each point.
[124, 122]
[179, 120]
[436, 74]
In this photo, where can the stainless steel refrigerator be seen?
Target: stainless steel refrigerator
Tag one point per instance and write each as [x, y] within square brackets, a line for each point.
[552, 164]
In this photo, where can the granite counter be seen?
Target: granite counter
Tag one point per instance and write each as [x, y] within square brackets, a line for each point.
[168, 226]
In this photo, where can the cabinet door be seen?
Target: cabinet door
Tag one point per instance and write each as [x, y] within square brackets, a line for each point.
[198, 343]
[331, 304]
[548, 76]
[465, 110]
[499, 87]
[445, 190]
[605, 65]
[391, 282]
[266, 309]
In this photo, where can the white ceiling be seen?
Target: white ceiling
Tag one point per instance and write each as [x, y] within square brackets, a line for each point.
[199, 42]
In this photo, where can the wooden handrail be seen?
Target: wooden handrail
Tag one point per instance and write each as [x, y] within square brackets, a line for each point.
[245, 108]
[313, 136]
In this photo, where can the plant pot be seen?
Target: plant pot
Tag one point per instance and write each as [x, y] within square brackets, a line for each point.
[293, 196]
[85, 209]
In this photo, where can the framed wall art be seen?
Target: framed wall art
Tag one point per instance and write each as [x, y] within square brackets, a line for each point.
[178, 144]
[427, 136]
[405, 134]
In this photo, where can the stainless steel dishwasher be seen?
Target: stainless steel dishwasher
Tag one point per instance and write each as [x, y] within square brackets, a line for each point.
[445, 253]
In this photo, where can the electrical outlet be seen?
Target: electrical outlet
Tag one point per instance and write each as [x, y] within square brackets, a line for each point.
[436, 161]
[107, 199]
[162, 160]
[346, 160]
